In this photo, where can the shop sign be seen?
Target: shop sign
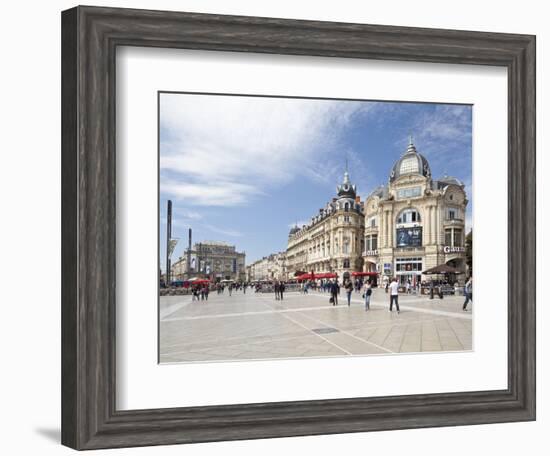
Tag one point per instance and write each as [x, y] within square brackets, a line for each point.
[449, 249]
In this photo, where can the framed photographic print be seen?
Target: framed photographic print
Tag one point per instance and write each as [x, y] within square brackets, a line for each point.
[268, 227]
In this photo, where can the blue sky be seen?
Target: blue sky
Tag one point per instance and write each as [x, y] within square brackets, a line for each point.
[245, 169]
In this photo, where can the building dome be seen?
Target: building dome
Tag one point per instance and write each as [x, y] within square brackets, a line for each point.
[293, 230]
[411, 162]
[451, 180]
[346, 189]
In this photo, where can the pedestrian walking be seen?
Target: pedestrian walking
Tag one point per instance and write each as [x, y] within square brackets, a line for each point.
[334, 292]
[367, 292]
[467, 294]
[230, 288]
[349, 289]
[281, 289]
[394, 294]
[276, 288]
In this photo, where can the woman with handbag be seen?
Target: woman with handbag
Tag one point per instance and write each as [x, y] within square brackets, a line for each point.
[367, 292]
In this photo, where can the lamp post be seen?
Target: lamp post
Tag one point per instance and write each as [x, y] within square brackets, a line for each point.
[168, 238]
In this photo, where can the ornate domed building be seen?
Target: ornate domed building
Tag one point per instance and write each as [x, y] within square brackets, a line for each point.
[414, 222]
[332, 241]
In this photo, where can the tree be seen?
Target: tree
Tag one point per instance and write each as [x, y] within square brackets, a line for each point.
[469, 247]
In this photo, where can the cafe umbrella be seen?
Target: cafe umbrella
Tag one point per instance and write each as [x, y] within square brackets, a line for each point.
[442, 269]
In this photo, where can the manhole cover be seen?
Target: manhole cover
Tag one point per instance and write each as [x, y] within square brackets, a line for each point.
[325, 330]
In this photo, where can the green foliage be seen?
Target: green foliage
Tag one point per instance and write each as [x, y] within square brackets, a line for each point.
[469, 247]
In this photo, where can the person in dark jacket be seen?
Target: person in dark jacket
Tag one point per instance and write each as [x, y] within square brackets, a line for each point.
[467, 294]
[334, 288]
[349, 289]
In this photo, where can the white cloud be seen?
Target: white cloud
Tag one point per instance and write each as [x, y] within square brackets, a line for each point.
[224, 231]
[221, 150]
[443, 135]
[203, 194]
[299, 223]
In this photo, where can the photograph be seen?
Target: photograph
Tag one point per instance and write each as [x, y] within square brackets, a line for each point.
[293, 228]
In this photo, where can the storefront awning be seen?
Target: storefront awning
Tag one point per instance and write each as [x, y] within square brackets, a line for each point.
[199, 281]
[442, 269]
[314, 276]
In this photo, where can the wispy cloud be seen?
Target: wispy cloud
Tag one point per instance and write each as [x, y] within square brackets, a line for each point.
[443, 135]
[223, 231]
[209, 194]
[220, 150]
[298, 223]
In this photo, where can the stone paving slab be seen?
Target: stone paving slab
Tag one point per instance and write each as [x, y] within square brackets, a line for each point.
[255, 326]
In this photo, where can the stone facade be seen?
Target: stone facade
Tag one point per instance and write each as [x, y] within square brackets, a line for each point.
[333, 240]
[272, 267]
[213, 259]
[415, 222]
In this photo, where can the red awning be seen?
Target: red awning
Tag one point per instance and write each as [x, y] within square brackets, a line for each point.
[362, 274]
[320, 275]
[199, 281]
[326, 275]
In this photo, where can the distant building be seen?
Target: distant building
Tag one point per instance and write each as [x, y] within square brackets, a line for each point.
[333, 241]
[216, 260]
[415, 222]
[271, 267]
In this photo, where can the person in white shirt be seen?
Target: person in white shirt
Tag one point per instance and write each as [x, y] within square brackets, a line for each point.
[394, 293]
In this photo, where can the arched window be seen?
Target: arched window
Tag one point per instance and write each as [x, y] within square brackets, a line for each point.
[346, 207]
[346, 263]
[409, 216]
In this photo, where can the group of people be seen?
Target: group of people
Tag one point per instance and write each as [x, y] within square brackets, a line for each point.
[279, 288]
[231, 286]
[200, 292]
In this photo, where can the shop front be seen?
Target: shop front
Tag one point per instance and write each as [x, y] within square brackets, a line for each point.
[408, 270]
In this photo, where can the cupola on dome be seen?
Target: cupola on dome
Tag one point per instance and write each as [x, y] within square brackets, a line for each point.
[411, 162]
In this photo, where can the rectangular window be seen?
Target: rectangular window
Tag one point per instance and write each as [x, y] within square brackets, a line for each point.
[451, 214]
[448, 237]
[374, 243]
[408, 192]
[458, 238]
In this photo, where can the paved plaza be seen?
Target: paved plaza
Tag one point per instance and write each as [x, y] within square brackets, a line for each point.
[256, 326]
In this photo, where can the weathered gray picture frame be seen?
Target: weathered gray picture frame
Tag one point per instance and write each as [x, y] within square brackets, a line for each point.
[90, 36]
